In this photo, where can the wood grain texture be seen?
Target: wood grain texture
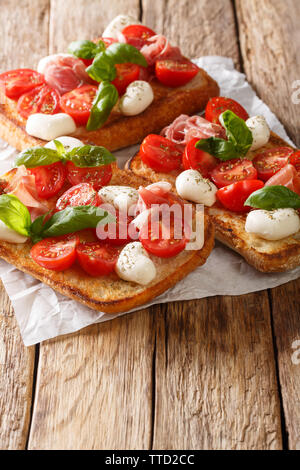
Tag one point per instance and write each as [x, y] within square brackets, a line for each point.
[270, 44]
[215, 376]
[23, 39]
[94, 388]
[195, 25]
[286, 314]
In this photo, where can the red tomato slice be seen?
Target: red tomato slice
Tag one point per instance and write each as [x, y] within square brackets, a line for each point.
[219, 104]
[175, 73]
[270, 161]
[97, 258]
[126, 74]
[198, 159]
[295, 160]
[97, 176]
[78, 103]
[232, 171]
[152, 240]
[49, 179]
[82, 194]
[57, 253]
[160, 154]
[42, 99]
[17, 82]
[137, 35]
[234, 195]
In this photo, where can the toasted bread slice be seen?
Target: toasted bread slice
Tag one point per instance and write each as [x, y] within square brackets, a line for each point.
[264, 255]
[121, 131]
[111, 294]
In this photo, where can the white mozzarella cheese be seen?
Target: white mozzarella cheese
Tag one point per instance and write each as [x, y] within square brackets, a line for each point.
[135, 265]
[50, 126]
[9, 235]
[273, 225]
[138, 96]
[69, 143]
[191, 185]
[117, 25]
[260, 131]
[121, 197]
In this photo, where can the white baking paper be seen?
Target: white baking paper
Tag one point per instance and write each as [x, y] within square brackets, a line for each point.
[42, 313]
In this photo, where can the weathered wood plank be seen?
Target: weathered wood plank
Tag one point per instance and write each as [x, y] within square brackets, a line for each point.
[215, 374]
[23, 39]
[271, 54]
[286, 314]
[94, 389]
[195, 26]
[271, 57]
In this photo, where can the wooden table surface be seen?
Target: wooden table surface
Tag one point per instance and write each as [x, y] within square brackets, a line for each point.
[217, 373]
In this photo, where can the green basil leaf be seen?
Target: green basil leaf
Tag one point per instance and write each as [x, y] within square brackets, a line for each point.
[86, 49]
[37, 156]
[59, 148]
[73, 219]
[103, 67]
[273, 197]
[90, 156]
[237, 132]
[15, 214]
[104, 101]
[220, 148]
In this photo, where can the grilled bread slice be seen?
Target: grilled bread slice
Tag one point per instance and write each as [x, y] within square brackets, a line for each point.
[264, 255]
[111, 294]
[121, 131]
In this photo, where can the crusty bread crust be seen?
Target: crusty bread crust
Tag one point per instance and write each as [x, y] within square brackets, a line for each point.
[264, 255]
[111, 294]
[121, 131]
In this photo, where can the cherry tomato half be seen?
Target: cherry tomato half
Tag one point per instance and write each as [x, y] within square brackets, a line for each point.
[175, 73]
[219, 104]
[137, 35]
[49, 179]
[232, 171]
[97, 258]
[126, 74]
[42, 99]
[270, 161]
[78, 103]
[83, 194]
[97, 176]
[160, 153]
[20, 81]
[56, 253]
[295, 160]
[198, 159]
[116, 233]
[234, 195]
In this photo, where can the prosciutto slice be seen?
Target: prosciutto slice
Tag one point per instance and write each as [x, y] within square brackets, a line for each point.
[64, 73]
[22, 185]
[185, 128]
[158, 48]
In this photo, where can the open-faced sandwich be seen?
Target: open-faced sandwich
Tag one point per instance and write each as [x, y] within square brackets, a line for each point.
[111, 91]
[247, 176]
[99, 235]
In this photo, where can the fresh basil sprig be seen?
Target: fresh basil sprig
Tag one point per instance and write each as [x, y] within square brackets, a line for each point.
[72, 219]
[105, 99]
[273, 197]
[85, 156]
[86, 49]
[14, 214]
[103, 66]
[239, 139]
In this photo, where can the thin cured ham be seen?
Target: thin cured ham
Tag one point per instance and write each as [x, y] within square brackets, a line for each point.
[287, 177]
[159, 48]
[64, 73]
[185, 128]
